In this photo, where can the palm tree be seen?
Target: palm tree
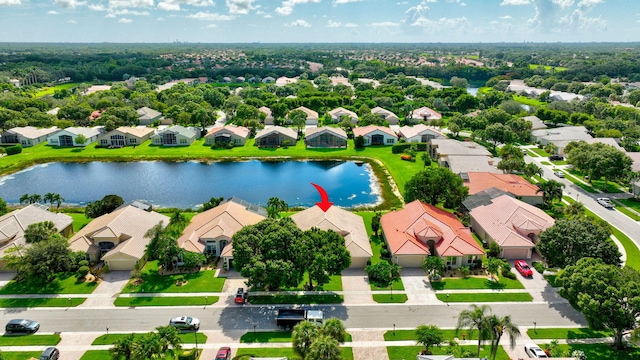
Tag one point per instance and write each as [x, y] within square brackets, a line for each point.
[24, 199]
[335, 329]
[58, 199]
[304, 333]
[275, 205]
[475, 318]
[498, 327]
[177, 218]
[35, 198]
[148, 347]
[123, 347]
[48, 197]
[324, 348]
[574, 210]
[551, 190]
[170, 337]
[532, 169]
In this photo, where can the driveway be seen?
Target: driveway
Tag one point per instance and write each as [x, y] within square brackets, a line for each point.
[108, 290]
[418, 287]
[537, 285]
[355, 284]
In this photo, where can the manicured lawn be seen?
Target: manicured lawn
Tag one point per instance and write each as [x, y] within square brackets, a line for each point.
[334, 284]
[532, 153]
[186, 337]
[411, 352]
[584, 186]
[568, 333]
[450, 334]
[388, 298]
[485, 297]
[635, 205]
[540, 152]
[246, 353]
[102, 355]
[62, 284]
[547, 67]
[476, 283]
[273, 337]
[296, 299]
[545, 163]
[626, 210]
[54, 302]
[559, 162]
[20, 355]
[51, 90]
[396, 285]
[79, 221]
[29, 340]
[529, 101]
[166, 301]
[603, 351]
[152, 282]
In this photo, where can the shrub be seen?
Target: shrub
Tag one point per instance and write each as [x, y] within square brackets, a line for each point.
[384, 253]
[83, 271]
[83, 263]
[405, 157]
[465, 271]
[15, 149]
[538, 266]
[506, 272]
[188, 355]
[359, 142]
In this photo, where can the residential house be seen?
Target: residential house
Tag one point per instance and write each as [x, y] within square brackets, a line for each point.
[462, 156]
[325, 137]
[236, 135]
[512, 224]
[562, 144]
[484, 197]
[338, 114]
[536, 123]
[118, 238]
[67, 137]
[513, 184]
[268, 80]
[240, 79]
[563, 133]
[387, 115]
[419, 230]
[148, 116]
[283, 80]
[564, 96]
[349, 225]
[210, 232]
[175, 136]
[27, 136]
[15, 82]
[419, 133]
[276, 136]
[268, 118]
[376, 135]
[13, 225]
[635, 156]
[312, 116]
[124, 136]
[425, 114]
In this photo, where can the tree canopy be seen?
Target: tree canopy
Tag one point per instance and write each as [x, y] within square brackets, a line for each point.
[436, 185]
[599, 160]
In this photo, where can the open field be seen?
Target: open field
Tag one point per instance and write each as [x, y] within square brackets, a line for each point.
[52, 89]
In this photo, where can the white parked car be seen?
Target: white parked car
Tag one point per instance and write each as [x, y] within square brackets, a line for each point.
[606, 202]
[185, 323]
[559, 174]
[534, 351]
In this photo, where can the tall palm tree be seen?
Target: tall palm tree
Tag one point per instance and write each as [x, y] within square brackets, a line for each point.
[499, 326]
[303, 336]
[574, 210]
[24, 199]
[532, 169]
[551, 190]
[35, 198]
[170, 337]
[123, 347]
[475, 318]
[324, 348]
[48, 197]
[335, 329]
[58, 199]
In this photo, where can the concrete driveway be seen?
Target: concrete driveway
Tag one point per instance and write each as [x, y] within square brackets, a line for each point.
[537, 285]
[355, 284]
[108, 290]
[417, 287]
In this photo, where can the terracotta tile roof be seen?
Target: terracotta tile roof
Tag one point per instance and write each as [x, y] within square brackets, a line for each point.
[418, 129]
[407, 231]
[509, 221]
[136, 131]
[366, 130]
[514, 184]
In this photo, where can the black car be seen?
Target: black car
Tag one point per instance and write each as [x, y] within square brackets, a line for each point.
[556, 157]
[22, 325]
[50, 353]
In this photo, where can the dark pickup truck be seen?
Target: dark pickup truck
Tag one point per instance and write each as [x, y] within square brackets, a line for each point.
[288, 318]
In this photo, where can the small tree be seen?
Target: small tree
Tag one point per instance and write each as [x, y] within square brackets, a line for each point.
[433, 265]
[375, 223]
[359, 142]
[493, 266]
[428, 336]
[494, 250]
[383, 274]
[213, 202]
[38, 232]
[275, 206]
[303, 335]
[80, 140]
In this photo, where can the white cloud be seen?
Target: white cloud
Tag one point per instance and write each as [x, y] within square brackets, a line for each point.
[160, 19]
[515, 2]
[463, 4]
[110, 16]
[175, 5]
[385, 24]
[442, 24]
[339, 2]
[10, 2]
[97, 7]
[418, 11]
[350, 25]
[286, 8]
[212, 26]
[402, 3]
[125, 21]
[72, 21]
[240, 6]
[298, 23]
[53, 12]
[128, 12]
[69, 3]
[506, 17]
[130, 3]
[563, 3]
[589, 3]
[333, 24]
[207, 16]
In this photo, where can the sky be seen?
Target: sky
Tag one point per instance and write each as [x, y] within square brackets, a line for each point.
[319, 21]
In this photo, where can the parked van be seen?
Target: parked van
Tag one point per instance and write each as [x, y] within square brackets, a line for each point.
[50, 353]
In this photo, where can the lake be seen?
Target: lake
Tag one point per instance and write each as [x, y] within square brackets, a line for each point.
[189, 184]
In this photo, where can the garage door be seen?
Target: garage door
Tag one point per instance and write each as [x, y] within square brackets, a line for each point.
[410, 261]
[358, 263]
[516, 253]
[121, 264]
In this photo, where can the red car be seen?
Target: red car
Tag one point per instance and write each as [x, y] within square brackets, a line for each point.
[224, 353]
[523, 268]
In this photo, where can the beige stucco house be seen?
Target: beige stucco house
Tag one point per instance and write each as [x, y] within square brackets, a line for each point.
[340, 113]
[125, 136]
[236, 135]
[325, 137]
[387, 115]
[175, 136]
[349, 225]
[67, 137]
[118, 238]
[27, 136]
[419, 133]
[376, 135]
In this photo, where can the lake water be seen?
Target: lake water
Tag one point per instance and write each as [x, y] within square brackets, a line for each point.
[473, 90]
[189, 184]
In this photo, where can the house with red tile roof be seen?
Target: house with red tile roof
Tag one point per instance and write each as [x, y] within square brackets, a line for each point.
[420, 230]
[419, 133]
[425, 114]
[376, 135]
[513, 224]
[513, 184]
[236, 135]
[312, 116]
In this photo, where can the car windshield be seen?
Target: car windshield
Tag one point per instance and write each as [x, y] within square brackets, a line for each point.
[524, 266]
[188, 320]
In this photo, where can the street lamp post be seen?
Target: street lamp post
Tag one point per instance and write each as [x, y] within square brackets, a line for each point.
[206, 301]
[195, 333]
[394, 329]
[447, 299]
[254, 327]
[107, 331]
[70, 302]
[534, 326]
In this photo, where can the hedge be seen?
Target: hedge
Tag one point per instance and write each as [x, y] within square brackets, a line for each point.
[15, 149]
[402, 147]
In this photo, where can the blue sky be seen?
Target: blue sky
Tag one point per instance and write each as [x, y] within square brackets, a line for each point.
[268, 21]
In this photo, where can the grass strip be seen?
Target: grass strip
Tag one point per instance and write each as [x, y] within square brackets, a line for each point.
[41, 302]
[390, 299]
[485, 297]
[296, 299]
[449, 334]
[20, 355]
[29, 340]
[186, 337]
[396, 285]
[567, 333]
[476, 283]
[273, 337]
[602, 351]
[66, 283]
[411, 352]
[166, 301]
[346, 353]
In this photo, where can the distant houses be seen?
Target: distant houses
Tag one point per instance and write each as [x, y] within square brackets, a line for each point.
[376, 135]
[125, 136]
[26, 136]
[148, 116]
[67, 137]
[175, 136]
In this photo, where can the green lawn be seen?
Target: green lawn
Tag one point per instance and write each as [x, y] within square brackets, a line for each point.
[476, 283]
[166, 301]
[296, 299]
[531, 153]
[62, 284]
[547, 67]
[29, 340]
[584, 186]
[559, 162]
[410, 352]
[186, 337]
[96, 355]
[51, 90]
[449, 334]
[79, 221]
[545, 163]
[389, 298]
[20, 355]
[551, 279]
[568, 333]
[540, 152]
[152, 282]
[485, 297]
[603, 351]
[635, 205]
[529, 101]
[54, 302]
[396, 285]
[246, 353]
[273, 337]
[334, 284]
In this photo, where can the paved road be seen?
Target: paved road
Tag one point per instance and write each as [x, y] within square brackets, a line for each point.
[242, 318]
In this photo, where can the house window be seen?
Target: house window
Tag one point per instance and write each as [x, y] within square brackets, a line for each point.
[470, 259]
[133, 141]
[211, 248]
[390, 141]
[451, 260]
[104, 142]
[183, 141]
[156, 141]
[53, 141]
